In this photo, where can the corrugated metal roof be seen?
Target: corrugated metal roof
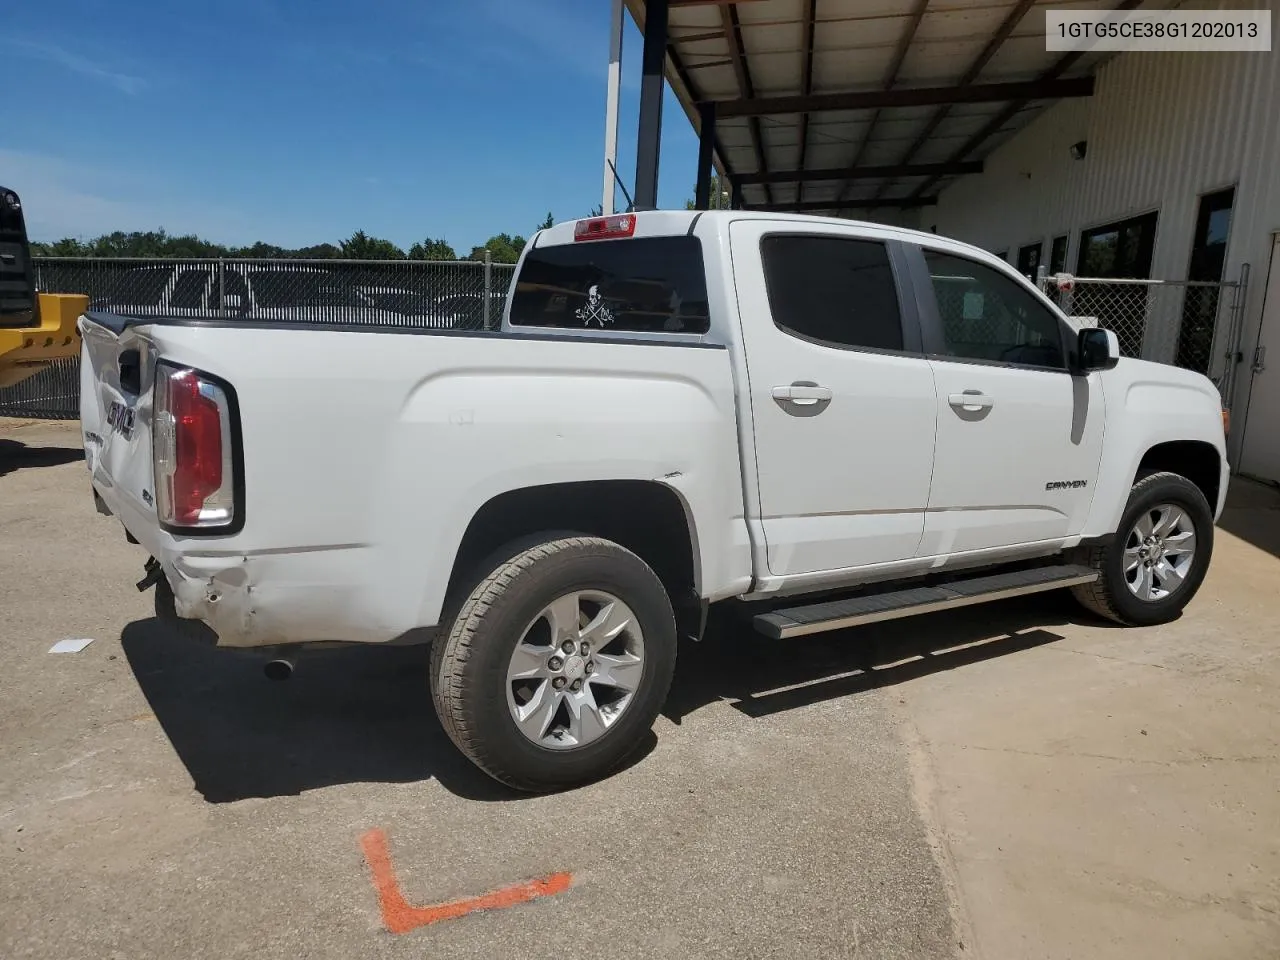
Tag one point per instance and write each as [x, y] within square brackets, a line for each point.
[861, 45]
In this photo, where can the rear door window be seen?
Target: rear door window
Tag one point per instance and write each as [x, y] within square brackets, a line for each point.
[832, 290]
[640, 284]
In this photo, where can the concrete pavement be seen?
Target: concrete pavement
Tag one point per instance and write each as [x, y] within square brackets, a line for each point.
[1010, 781]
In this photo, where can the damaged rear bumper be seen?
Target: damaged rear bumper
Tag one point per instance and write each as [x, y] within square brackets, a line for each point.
[263, 600]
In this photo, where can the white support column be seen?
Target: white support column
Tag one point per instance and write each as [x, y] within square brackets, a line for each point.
[611, 105]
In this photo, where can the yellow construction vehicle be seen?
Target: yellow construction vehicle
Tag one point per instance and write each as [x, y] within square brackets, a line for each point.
[35, 328]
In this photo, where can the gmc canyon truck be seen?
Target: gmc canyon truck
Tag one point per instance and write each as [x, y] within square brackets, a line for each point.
[816, 421]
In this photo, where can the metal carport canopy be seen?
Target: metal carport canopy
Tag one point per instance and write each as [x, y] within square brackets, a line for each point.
[854, 105]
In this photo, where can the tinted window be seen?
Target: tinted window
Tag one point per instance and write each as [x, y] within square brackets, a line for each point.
[188, 292]
[1058, 255]
[646, 284]
[1120, 249]
[833, 290]
[1200, 304]
[1029, 260]
[988, 316]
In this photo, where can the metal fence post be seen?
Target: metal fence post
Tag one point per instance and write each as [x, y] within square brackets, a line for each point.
[222, 287]
[488, 288]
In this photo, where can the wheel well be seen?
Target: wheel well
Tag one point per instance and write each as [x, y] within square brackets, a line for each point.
[646, 517]
[1194, 459]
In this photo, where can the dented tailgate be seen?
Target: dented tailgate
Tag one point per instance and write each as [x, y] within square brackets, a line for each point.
[115, 418]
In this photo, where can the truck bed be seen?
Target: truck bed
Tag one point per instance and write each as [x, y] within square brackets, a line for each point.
[365, 452]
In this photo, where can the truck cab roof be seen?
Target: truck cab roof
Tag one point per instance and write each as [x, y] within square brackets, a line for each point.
[659, 223]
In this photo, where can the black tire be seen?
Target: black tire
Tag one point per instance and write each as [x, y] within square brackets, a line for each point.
[469, 661]
[1110, 596]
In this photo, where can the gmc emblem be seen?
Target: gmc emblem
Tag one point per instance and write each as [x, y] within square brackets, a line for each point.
[120, 418]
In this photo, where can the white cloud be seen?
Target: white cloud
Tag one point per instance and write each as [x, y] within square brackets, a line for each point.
[85, 66]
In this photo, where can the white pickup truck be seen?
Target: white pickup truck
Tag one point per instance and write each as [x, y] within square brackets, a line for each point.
[821, 422]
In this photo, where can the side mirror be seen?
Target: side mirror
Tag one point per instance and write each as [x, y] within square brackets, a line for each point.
[1096, 349]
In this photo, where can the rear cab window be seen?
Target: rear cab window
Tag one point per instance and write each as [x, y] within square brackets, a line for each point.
[639, 285]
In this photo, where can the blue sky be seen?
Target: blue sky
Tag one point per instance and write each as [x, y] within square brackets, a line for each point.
[301, 121]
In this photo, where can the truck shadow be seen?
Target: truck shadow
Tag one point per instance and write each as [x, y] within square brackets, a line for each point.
[16, 455]
[348, 715]
[759, 677]
[356, 714]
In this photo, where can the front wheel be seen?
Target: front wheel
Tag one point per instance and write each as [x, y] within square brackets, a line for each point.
[557, 664]
[1158, 557]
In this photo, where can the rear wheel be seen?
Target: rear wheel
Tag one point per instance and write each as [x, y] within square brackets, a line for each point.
[1159, 556]
[557, 663]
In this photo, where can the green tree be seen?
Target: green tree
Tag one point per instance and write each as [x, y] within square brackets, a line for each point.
[430, 249]
[66, 247]
[503, 248]
[547, 223]
[719, 196]
[361, 246]
[320, 251]
[262, 251]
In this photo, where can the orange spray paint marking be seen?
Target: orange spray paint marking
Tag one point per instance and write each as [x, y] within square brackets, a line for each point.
[399, 916]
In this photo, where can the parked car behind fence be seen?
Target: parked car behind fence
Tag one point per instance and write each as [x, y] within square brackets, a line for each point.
[403, 293]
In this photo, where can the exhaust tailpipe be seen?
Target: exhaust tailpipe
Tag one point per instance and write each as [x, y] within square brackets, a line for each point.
[280, 669]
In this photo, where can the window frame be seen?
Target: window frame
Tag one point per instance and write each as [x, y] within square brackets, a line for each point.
[1038, 247]
[1066, 252]
[931, 317]
[908, 308]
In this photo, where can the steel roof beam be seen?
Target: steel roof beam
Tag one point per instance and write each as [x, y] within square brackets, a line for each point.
[890, 80]
[733, 33]
[919, 97]
[1004, 116]
[1011, 20]
[806, 84]
[864, 173]
[898, 203]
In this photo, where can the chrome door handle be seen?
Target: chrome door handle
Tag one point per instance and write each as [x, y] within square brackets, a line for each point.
[804, 394]
[971, 400]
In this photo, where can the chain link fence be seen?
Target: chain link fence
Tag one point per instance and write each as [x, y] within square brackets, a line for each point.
[1191, 324]
[461, 295]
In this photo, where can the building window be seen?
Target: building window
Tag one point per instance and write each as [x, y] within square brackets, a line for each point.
[1200, 304]
[1029, 260]
[1119, 250]
[1058, 254]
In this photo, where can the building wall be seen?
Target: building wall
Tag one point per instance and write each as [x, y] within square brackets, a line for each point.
[1162, 129]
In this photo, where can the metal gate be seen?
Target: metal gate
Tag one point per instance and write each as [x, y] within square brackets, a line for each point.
[1187, 323]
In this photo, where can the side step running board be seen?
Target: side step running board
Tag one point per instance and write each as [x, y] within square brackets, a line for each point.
[870, 608]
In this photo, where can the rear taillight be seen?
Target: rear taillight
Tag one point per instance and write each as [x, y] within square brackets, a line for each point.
[193, 450]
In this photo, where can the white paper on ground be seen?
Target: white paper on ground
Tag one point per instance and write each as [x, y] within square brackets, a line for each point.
[70, 646]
